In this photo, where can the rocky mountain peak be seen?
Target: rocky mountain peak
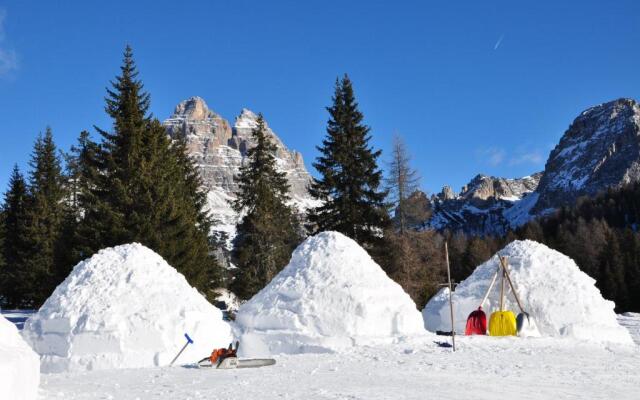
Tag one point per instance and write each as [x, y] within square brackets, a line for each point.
[219, 151]
[194, 108]
[601, 149]
[247, 119]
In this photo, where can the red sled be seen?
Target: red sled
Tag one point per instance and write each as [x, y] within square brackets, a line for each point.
[476, 323]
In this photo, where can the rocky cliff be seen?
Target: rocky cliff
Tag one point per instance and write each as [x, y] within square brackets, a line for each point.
[219, 150]
[601, 149]
[480, 206]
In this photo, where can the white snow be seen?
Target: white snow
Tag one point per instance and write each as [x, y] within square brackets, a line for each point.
[124, 307]
[19, 365]
[331, 296]
[563, 300]
[519, 214]
[481, 368]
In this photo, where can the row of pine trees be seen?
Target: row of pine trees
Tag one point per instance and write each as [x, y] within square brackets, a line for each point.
[134, 185]
[138, 185]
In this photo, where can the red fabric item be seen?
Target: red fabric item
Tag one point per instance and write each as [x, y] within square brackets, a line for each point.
[476, 323]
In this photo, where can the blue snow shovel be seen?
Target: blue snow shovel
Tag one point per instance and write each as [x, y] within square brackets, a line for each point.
[189, 341]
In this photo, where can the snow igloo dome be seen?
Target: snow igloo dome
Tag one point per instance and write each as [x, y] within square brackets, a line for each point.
[125, 307]
[330, 296]
[562, 300]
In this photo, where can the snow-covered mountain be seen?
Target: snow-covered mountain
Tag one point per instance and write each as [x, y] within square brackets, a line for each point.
[480, 206]
[601, 149]
[219, 150]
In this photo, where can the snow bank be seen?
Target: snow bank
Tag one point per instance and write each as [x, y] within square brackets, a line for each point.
[332, 295]
[19, 365]
[124, 307]
[562, 299]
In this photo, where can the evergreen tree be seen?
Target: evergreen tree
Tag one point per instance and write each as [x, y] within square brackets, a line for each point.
[41, 267]
[80, 172]
[353, 203]
[139, 186]
[268, 232]
[13, 223]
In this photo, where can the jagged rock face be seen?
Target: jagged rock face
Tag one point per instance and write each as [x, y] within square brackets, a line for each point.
[482, 206]
[447, 193]
[219, 151]
[484, 187]
[601, 149]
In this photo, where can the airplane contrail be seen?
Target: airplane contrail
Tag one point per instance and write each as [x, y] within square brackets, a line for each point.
[498, 42]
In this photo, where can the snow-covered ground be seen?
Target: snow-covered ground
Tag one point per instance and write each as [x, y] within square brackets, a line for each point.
[631, 321]
[482, 368]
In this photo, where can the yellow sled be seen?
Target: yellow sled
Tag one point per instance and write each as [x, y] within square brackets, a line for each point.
[503, 323]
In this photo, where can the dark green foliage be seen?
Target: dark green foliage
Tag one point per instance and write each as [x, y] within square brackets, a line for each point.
[601, 235]
[13, 224]
[39, 266]
[139, 186]
[349, 183]
[268, 232]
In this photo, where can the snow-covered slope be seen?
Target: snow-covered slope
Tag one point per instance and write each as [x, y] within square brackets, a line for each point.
[483, 206]
[124, 307]
[331, 296]
[563, 300]
[19, 365]
[219, 151]
[600, 150]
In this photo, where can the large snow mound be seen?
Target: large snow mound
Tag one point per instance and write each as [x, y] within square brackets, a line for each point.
[332, 295]
[19, 365]
[563, 300]
[125, 307]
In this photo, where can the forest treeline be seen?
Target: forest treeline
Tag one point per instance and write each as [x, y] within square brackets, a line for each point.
[136, 184]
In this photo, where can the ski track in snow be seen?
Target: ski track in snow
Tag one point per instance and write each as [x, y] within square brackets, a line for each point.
[482, 366]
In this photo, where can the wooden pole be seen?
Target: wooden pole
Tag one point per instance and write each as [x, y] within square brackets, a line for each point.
[502, 291]
[453, 329]
[493, 281]
[503, 262]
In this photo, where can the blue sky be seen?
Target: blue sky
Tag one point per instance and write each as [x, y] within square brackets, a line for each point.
[472, 86]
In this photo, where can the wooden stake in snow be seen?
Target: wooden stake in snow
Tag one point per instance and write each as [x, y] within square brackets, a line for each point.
[453, 329]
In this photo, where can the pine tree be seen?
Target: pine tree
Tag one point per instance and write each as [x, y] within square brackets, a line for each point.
[13, 222]
[353, 203]
[268, 232]
[402, 181]
[40, 268]
[139, 186]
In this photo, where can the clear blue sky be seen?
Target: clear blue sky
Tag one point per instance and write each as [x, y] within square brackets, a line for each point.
[472, 86]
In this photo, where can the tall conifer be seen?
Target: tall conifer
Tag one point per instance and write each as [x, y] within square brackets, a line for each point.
[40, 265]
[268, 232]
[349, 183]
[13, 221]
[142, 187]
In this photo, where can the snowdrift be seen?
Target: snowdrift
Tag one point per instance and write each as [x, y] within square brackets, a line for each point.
[19, 365]
[332, 295]
[124, 307]
[562, 299]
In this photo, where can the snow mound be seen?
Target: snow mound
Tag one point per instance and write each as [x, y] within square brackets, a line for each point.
[332, 295]
[562, 300]
[19, 365]
[124, 307]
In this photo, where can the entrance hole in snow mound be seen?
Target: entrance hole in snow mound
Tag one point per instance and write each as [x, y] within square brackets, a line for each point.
[19, 365]
[332, 295]
[563, 301]
[124, 307]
